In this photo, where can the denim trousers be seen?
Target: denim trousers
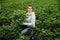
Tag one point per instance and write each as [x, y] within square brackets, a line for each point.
[24, 30]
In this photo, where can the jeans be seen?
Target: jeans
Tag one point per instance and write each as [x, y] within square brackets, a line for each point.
[24, 30]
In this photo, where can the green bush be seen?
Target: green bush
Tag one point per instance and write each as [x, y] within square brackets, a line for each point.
[47, 18]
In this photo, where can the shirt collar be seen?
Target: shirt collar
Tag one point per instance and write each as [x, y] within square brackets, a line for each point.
[29, 13]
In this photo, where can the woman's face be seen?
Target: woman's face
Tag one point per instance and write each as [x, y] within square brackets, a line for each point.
[29, 9]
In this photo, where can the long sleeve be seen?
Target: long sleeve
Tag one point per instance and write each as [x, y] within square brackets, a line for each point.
[31, 20]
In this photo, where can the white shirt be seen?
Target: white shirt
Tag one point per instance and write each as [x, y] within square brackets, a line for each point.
[30, 19]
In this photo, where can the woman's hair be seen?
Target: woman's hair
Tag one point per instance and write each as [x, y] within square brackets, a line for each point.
[30, 5]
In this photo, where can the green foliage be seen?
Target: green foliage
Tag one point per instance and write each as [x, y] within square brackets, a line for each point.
[10, 21]
[47, 18]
